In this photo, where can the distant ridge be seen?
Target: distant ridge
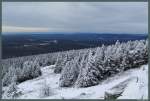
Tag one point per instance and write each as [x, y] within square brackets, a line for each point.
[14, 45]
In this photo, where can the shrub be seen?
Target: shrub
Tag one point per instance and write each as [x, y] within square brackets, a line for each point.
[45, 90]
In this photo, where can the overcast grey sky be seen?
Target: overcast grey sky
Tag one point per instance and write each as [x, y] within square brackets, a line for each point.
[99, 17]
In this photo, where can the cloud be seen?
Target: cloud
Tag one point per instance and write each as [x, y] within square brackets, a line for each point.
[99, 17]
[23, 29]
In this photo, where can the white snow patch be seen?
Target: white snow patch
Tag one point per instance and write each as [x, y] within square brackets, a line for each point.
[137, 89]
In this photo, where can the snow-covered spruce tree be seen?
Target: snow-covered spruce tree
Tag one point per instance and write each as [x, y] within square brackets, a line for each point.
[107, 62]
[60, 62]
[9, 76]
[69, 73]
[100, 60]
[141, 53]
[127, 56]
[89, 74]
[63, 58]
[107, 59]
[116, 57]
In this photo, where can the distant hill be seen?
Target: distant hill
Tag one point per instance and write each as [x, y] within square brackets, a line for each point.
[23, 44]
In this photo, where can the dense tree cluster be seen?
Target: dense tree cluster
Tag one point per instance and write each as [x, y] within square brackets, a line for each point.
[101, 62]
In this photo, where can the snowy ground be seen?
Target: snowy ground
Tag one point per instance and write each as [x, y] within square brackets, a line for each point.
[133, 84]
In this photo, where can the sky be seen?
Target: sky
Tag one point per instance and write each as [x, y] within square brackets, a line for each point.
[90, 17]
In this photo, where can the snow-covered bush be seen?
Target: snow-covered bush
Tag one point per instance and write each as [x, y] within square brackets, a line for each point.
[45, 90]
[11, 92]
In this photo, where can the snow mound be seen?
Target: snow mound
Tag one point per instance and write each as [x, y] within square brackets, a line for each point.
[136, 87]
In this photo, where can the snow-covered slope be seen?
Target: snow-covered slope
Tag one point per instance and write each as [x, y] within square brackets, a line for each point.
[138, 88]
[132, 84]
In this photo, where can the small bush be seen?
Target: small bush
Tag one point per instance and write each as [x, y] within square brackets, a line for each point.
[45, 90]
[11, 92]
